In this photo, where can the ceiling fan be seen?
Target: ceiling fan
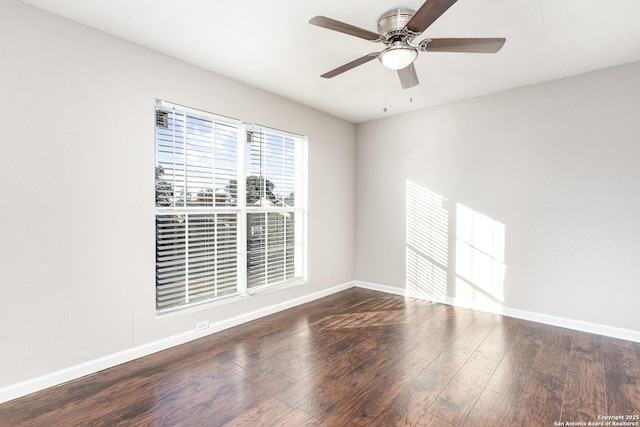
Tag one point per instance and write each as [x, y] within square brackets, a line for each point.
[397, 30]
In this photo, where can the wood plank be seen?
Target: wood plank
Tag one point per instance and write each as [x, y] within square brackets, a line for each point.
[452, 349]
[410, 404]
[512, 374]
[268, 412]
[584, 396]
[461, 330]
[16, 413]
[431, 421]
[490, 410]
[542, 398]
[622, 376]
[298, 418]
[352, 374]
[460, 395]
[335, 363]
[541, 403]
[367, 403]
[587, 346]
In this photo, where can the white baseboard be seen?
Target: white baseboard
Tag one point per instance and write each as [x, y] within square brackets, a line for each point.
[74, 372]
[577, 325]
[381, 288]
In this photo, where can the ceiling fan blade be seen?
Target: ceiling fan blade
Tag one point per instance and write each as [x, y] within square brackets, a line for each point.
[478, 45]
[350, 65]
[427, 14]
[332, 24]
[408, 77]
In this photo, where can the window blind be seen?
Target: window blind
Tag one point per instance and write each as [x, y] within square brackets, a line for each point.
[212, 239]
[272, 174]
[196, 223]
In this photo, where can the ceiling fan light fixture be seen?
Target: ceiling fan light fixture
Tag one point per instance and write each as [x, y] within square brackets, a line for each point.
[398, 56]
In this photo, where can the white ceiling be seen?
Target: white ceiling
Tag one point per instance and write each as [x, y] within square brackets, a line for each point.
[269, 44]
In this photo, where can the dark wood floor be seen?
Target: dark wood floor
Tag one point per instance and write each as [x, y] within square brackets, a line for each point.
[358, 358]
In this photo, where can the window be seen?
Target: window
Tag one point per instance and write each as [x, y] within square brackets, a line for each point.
[212, 240]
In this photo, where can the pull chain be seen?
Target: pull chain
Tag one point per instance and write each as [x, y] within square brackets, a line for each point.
[411, 89]
[386, 74]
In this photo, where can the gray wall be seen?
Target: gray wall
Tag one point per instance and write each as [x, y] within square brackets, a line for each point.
[77, 220]
[554, 167]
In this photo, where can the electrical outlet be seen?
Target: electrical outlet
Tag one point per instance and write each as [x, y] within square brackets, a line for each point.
[201, 326]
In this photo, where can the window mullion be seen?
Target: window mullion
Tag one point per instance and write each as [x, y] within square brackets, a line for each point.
[284, 219]
[184, 161]
[241, 192]
[213, 201]
[282, 169]
[216, 245]
[187, 230]
[263, 166]
[266, 248]
[213, 164]
[284, 244]
[263, 203]
[173, 140]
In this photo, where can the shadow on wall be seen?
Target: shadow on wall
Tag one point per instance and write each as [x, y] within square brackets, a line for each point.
[453, 253]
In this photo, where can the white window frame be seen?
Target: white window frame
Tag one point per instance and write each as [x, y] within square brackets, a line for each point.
[242, 211]
[298, 210]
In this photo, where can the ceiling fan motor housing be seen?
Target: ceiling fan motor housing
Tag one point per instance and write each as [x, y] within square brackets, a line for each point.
[391, 25]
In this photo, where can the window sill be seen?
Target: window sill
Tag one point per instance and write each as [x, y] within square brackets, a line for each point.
[205, 305]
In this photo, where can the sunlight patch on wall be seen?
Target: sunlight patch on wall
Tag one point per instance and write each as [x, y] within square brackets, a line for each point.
[454, 254]
[427, 243]
[480, 267]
